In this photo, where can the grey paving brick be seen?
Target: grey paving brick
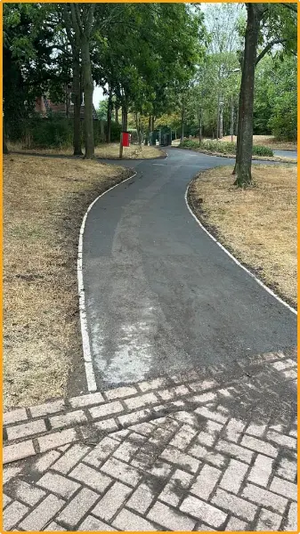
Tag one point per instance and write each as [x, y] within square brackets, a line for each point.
[108, 425]
[44, 461]
[141, 499]
[56, 439]
[234, 524]
[285, 488]
[182, 460]
[210, 434]
[282, 440]
[78, 507]
[106, 409]
[265, 498]
[121, 471]
[152, 384]
[169, 518]
[13, 514]
[14, 416]
[70, 458]
[287, 469]
[15, 452]
[101, 452]
[141, 401]
[235, 505]
[234, 476]
[26, 429]
[259, 445]
[10, 472]
[68, 419]
[112, 501]
[206, 482]
[233, 429]
[208, 456]
[42, 514]
[136, 417]
[89, 476]
[125, 451]
[48, 408]
[61, 485]
[255, 429]
[183, 437]
[203, 511]
[261, 471]
[203, 385]
[268, 521]
[6, 500]
[87, 400]
[120, 393]
[240, 453]
[175, 488]
[55, 527]
[27, 493]
[91, 524]
[292, 520]
[211, 414]
[129, 521]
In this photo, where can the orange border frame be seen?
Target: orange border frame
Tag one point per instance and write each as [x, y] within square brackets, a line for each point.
[1, 189]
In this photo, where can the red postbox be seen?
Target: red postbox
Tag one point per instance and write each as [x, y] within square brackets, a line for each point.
[125, 138]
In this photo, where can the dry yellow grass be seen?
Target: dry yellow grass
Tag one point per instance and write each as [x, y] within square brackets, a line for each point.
[267, 140]
[44, 202]
[103, 151]
[259, 224]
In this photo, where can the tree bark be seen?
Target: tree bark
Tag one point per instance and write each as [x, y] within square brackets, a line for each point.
[200, 126]
[182, 124]
[117, 114]
[77, 99]
[245, 123]
[88, 89]
[109, 113]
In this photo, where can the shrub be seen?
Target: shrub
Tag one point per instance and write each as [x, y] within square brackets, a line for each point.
[224, 148]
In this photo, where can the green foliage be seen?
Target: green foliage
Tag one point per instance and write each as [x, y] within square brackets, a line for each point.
[275, 103]
[52, 132]
[223, 148]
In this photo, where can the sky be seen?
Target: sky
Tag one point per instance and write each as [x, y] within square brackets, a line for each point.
[97, 96]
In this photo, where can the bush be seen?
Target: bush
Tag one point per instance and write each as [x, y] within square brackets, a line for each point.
[262, 151]
[224, 148]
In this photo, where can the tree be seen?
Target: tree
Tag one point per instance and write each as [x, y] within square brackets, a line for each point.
[82, 17]
[267, 25]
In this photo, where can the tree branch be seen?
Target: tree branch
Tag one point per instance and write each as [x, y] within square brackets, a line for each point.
[292, 7]
[268, 47]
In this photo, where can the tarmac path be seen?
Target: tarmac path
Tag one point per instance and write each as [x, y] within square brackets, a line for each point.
[161, 296]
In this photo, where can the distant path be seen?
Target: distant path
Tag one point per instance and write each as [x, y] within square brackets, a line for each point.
[286, 153]
[161, 296]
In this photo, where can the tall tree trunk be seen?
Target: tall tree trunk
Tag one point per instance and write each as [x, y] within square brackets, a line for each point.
[124, 125]
[245, 124]
[117, 114]
[77, 99]
[221, 119]
[109, 113]
[232, 120]
[200, 126]
[218, 117]
[5, 148]
[182, 124]
[88, 89]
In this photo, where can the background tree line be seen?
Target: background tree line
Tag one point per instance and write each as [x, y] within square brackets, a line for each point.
[175, 66]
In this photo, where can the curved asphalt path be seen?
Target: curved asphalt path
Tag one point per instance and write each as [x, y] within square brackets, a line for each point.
[161, 296]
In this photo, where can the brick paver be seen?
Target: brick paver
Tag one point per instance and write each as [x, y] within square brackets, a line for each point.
[213, 448]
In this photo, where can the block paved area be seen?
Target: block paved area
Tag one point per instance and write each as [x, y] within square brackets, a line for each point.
[211, 449]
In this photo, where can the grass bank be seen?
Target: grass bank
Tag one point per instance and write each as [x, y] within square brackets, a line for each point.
[44, 203]
[103, 151]
[258, 225]
[228, 150]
